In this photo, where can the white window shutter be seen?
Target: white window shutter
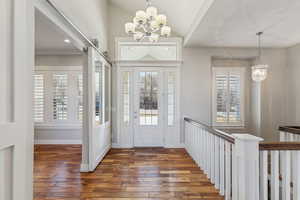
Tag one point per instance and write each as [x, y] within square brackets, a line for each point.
[234, 98]
[228, 96]
[38, 98]
[221, 83]
[60, 96]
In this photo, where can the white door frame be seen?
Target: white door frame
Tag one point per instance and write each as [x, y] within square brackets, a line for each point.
[125, 136]
[16, 83]
[122, 140]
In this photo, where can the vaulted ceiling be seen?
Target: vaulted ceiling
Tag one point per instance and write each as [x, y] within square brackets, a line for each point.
[229, 23]
[181, 14]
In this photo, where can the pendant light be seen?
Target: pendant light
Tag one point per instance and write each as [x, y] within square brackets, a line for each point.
[259, 70]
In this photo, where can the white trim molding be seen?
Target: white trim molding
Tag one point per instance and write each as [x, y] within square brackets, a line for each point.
[57, 142]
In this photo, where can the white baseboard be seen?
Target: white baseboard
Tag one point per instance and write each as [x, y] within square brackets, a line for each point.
[84, 168]
[176, 146]
[57, 142]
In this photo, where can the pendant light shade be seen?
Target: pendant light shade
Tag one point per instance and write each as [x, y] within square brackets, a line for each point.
[259, 70]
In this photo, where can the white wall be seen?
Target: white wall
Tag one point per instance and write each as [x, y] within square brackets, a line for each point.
[60, 134]
[196, 85]
[293, 86]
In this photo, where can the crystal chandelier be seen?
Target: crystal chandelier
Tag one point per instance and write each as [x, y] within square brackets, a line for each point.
[148, 24]
[259, 70]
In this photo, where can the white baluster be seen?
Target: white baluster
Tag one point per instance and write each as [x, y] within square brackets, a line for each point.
[227, 171]
[263, 175]
[296, 175]
[286, 175]
[198, 147]
[209, 154]
[274, 175]
[205, 150]
[222, 167]
[217, 162]
[212, 158]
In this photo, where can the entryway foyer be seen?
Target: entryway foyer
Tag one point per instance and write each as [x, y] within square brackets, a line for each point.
[139, 173]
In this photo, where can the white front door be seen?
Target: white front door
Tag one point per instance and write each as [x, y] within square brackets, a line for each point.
[148, 108]
[16, 124]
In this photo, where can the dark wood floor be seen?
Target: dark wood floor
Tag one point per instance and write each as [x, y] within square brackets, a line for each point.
[143, 173]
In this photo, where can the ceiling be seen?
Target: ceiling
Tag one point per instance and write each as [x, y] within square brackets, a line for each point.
[180, 14]
[233, 23]
[49, 38]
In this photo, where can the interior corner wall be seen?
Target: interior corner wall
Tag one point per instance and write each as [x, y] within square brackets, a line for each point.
[293, 86]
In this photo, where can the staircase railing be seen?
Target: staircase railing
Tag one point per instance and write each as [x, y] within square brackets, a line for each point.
[242, 167]
[231, 162]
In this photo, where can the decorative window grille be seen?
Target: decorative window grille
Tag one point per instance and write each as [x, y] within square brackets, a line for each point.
[38, 98]
[60, 96]
[228, 96]
[126, 97]
[171, 98]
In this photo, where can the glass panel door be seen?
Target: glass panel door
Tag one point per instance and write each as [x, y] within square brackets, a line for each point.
[148, 110]
[148, 125]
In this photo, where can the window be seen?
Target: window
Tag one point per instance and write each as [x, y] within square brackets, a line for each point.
[148, 84]
[98, 91]
[107, 94]
[171, 98]
[38, 98]
[228, 96]
[79, 97]
[60, 96]
[126, 97]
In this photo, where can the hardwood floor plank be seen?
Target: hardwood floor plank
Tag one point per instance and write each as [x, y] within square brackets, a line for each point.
[124, 174]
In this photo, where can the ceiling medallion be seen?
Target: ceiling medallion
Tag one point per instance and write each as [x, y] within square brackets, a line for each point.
[148, 24]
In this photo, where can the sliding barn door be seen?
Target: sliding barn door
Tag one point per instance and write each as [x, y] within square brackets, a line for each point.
[98, 99]
[16, 126]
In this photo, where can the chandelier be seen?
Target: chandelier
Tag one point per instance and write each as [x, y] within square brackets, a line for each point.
[148, 24]
[259, 70]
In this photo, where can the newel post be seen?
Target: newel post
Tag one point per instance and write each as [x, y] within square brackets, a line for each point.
[245, 167]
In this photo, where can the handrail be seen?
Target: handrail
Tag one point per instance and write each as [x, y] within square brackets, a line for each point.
[212, 130]
[279, 146]
[290, 129]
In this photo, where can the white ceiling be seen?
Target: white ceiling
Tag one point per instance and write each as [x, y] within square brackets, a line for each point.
[233, 23]
[49, 38]
[181, 13]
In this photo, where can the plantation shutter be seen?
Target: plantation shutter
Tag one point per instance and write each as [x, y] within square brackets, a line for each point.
[234, 98]
[221, 91]
[38, 98]
[60, 96]
[228, 96]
